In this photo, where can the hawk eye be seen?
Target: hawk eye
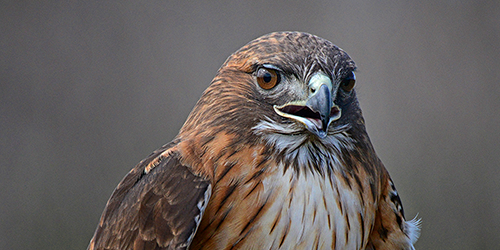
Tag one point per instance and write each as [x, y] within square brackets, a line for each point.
[267, 78]
[348, 82]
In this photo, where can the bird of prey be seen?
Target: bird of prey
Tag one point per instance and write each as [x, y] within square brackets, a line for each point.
[274, 155]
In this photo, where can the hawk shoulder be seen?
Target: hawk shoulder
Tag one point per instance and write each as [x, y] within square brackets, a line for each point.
[158, 205]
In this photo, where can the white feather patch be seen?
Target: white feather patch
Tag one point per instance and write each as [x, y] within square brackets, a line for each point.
[412, 229]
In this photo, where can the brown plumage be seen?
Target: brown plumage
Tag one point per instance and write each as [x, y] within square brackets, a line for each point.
[274, 155]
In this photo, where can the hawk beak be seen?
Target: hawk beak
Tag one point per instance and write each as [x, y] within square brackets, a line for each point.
[317, 111]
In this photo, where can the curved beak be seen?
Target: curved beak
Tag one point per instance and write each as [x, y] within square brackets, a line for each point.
[318, 110]
[321, 103]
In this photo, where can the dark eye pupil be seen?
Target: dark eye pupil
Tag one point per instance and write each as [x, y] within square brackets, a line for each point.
[267, 77]
[350, 78]
[346, 82]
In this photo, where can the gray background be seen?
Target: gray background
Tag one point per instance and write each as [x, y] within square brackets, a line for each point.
[89, 89]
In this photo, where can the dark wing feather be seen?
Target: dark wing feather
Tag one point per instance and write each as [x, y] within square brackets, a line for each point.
[158, 205]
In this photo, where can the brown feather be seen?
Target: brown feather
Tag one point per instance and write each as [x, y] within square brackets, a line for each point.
[156, 210]
[240, 175]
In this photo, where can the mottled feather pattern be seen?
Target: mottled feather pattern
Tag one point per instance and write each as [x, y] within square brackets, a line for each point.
[153, 214]
[239, 175]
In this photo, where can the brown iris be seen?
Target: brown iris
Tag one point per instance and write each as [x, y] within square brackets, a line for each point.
[267, 78]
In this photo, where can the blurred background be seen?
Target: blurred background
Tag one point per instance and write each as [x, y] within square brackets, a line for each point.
[89, 88]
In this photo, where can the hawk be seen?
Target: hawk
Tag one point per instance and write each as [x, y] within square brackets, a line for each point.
[274, 155]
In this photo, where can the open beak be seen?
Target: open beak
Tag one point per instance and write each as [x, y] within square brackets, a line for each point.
[317, 111]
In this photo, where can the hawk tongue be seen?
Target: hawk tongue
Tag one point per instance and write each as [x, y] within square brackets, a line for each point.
[317, 122]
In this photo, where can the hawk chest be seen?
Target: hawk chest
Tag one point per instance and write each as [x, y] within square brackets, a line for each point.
[313, 211]
[290, 210]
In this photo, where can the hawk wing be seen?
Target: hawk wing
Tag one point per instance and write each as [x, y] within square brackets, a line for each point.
[158, 205]
[390, 230]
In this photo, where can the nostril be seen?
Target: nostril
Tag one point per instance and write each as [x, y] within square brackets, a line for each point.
[313, 90]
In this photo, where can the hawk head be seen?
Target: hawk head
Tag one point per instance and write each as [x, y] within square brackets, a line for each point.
[291, 89]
